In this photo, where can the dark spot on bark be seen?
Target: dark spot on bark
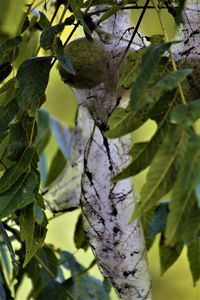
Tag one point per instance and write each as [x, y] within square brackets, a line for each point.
[134, 252]
[116, 229]
[119, 290]
[125, 274]
[127, 286]
[194, 32]
[123, 256]
[116, 243]
[186, 52]
[114, 211]
[110, 168]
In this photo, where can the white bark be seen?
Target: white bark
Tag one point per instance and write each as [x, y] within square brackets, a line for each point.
[187, 52]
[118, 246]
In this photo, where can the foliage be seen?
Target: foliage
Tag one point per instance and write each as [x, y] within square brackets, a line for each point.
[172, 154]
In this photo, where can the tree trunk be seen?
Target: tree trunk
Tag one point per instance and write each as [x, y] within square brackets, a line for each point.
[118, 246]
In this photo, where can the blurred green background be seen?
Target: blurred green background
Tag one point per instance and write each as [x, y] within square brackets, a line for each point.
[176, 284]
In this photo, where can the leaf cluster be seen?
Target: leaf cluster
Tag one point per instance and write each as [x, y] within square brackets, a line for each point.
[172, 155]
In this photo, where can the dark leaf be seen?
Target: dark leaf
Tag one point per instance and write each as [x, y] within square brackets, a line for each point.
[48, 35]
[18, 196]
[32, 233]
[158, 221]
[12, 174]
[85, 286]
[79, 16]
[5, 70]
[38, 213]
[32, 78]
[7, 113]
[62, 58]
[143, 153]
[8, 45]
[7, 92]
[186, 114]
[150, 62]
[43, 21]
[183, 206]
[56, 291]
[48, 260]
[194, 259]
[57, 165]
[168, 255]
[161, 175]
[80, 239]
[43, 132]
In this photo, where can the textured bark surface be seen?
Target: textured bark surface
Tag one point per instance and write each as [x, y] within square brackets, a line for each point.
[118, 246]
[187, 52]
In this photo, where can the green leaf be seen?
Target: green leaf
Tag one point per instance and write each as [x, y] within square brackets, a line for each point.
[128, 123]
[41, 269]
[43, 132]
[7, 92]
[193, 252]
[166, 83]
[32, 233]
[150, 61]
[62, 58]
[43, 21]
[161, 175]
[7, 241]
[85, 286]
[21, 134]
[8, 45]
[131, 68]
[32, 78]
[80, 239]
[18, 196]
[12, 174]
[184, 203]
[186, 114]
[168, 255]
[48, 260]
[55, 290]
[48, 35]
[7, 113]
[57, 165]
[142, 154]
[79, 16]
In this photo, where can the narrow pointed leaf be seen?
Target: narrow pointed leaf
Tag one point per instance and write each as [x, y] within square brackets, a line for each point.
[43, 21]
[80, 239]
[183, 196]
[62, 58]
[193, 252]
[32, 233]
[79, 16]
[142, 154]
[161, 175]
[150, 62]
[168, 254]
